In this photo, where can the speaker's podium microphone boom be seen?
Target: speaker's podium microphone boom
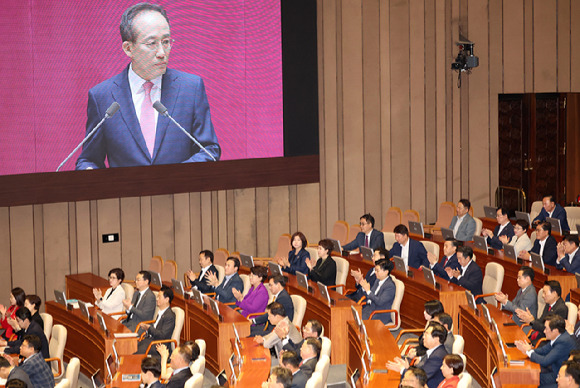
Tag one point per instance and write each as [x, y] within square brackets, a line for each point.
[109, 113]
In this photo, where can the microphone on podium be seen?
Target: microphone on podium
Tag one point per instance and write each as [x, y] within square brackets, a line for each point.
[109, 113]
[159, 107]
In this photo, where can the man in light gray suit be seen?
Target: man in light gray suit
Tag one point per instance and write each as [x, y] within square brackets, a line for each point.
[463, 225]
[142, 307]
[526, 298]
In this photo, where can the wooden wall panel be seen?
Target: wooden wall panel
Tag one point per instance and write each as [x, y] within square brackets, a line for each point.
[162, 226]
[385, 90]
[575, 46]
[109, 221]
[5, 249]
[443, 119]
[182, 226]
[22, 246]
[545, 46]
[430, 112]
[529, 46]
[495, 87]
[278, 217]
[513, 46]
[195, 232]
[56, 246]
[262, 210]
[130, 236]
[39, 267]
[563, 44]
[83, 225]
[146, 231]
[308, 212]
[245, 221]
[206, 221]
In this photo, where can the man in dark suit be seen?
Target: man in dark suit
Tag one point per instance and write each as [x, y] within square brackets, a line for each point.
[545, 245]
[382, 294]
[291, 361]
[553, 210]
[368, 236]
[180, 359]
[150, 372]
[449, 259]
[280, 295]
[201, 282]
[164, 324]
[463, 224]
[279, 378]
[569, 375]
[370, 277]
[569, 254]
[526, 298]
[469, 276]
[412, 252]
[142, 307]
[27, 327]
[34, 365]
[310, 352]
[10, 372]
[231, 280]
[553, 354]
[504, 228]
[138, 135]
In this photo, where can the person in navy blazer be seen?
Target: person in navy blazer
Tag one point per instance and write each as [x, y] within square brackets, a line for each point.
[376, 239]
[449, 259]
[381, 295]
[507, 230]
[554, 353]
[147, 42]
[231, 280]
[417, 253]
[553, 210]
[469, 276]
[296, 260]
[370, 277]
[150, 372]
[206, 266]
[162, 328]
[550, 253]
[569, 254]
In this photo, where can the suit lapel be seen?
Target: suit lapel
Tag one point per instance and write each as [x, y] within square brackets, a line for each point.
[169, 93]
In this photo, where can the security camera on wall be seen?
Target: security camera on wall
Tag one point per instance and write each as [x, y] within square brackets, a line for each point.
[465, 60]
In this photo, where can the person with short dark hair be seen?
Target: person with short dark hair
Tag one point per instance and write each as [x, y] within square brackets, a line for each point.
[411, 251]
[201, 282]
[520, 241]
[283, 330]
[469, 276]
[280, 295]
[231, 280]
[451, 368]
[11, 372]
[166, 369]
[17, 297]
[382, 294]
[256, 299]
[569, 375]
[142, 307]
[414, 378]
[36, 368]
[575, 355]
[150, 372]
[550, 356]
[296, 259]
[291, 361]
[370, 277]
[447, 322]
[569, 254]
[449, 259]
[368, 236]
[180, 360]
[324, 270]
[553, 210]
[503, 229]
[545, 245]
[526, 298]
[33, 303]
[310, 352]
[26, 327]
[112, 301]
[162, 328]
[279, 378]
[312, 329]
[463, 224]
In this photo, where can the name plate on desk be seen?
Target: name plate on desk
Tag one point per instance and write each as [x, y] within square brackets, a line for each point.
[125, 335]
[131, 377]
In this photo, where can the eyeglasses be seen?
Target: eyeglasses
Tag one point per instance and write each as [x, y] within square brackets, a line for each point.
[166, 43]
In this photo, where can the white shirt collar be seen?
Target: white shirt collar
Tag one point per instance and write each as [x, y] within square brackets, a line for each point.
[136, 82]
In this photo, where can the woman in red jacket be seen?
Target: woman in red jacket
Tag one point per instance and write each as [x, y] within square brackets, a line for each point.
[17, 296]
[451, 368]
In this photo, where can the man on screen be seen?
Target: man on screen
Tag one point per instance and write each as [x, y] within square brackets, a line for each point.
[137, 135]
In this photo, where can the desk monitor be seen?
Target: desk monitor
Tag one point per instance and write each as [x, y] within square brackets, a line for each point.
[236, 333]
[102, 323]
[366, 253]
[416, 228]
[354, 378]
[115, 353]
[231, 363]
[470, 300]
[429, 276]
[155, 278]
[197, 296]
[111, 366]
[275, 269]
[324, 291]
[336, 246]
[356, 317]
[523, 216]
[577, 279]
[214, 307]
[177, 286]
[302, 280]
[537, 261]
[85, 310]
[400, 264]
[60, 297]
[247, 261]
[486, 313]
[509, 251]
[490, 212]
[495, 328]
[555, 222]
[480, 243]
[447, 233]
[363, 361]
[97, 380]
[221, 378]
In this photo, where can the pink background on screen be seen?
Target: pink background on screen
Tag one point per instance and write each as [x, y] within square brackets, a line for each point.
[58, 50]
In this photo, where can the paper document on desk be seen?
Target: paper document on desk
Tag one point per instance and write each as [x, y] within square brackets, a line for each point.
[125, 335]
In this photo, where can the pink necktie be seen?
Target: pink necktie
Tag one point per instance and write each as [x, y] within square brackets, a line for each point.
[148, 118]
[367, 241]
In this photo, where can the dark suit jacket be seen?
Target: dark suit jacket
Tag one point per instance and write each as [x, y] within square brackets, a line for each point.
[17, 373]
[376, 241]
[495, 242]
[565, 263]
[439, 268]
[224, 294]
[324, 271]
[550, 250]
[528, 299]
[156, 384]
[370, 277]
[201, 283]
[38, 319]
[297, 262]
[432, 366]
[382, 301]
[163, 331]
[559, 308]
[33, 328]
[144, 311]
[178, 380]
[285, 300]
[550, 357]
[417, 253]
[120, 139]
[308, 367]
[559, 213]
[299, 379]
[472, 280]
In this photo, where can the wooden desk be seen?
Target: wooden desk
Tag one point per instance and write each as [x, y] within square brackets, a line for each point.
[80, 286]
[491, 223]
[256, 366]
[129, 364]
[575, 296]
[484, 354]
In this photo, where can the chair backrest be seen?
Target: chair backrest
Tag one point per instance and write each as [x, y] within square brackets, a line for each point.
[156, 264]
[535, 209]
[410, 215]
[465, 380]
[129, 290]
[342, 266]
[198, 366]
[399, 293]
[326, 346]
[322, 367]
[541, 302]
[299, 310]
[353, 231]
[432, 247]
[458, 344]
[195, 381]
[284, 245]
[446, 213]
[392, 218]
[179, 320]
[493, 281]
[533, 237]
[340, 232]
[247, 285]
[464, 361]
[56, 346]
[221, 272]
[573, 214]
[201, 343]
[169, 271]
[389, 240]
[315, 381]
[313, 251]
[220, 256]
[64, 383]
[572, 312]
[478, 226]
[47, 319]
[72, 371]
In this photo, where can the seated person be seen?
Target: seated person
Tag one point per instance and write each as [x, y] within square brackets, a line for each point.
[504, 228]
[10, 372]
[411, 251]
[368, 236]
[164, 324]
[291, 361]
[469, 276]
[553, 210]
[449, 259]
[463, 224]
[310, 353]
[414, 378]
[26, 327]
[569, 254]
[451, 368]
[17, 297]
[545, 245]
[180, 360]
[296, 260]
[431, 309]
[381, 295]
[201, 282]
[279, 378]
[167, 371]
[369, 277]
[324, 270]
[283, 331]
[569, 375]
[447, 322]
[550, 357]
[112, 301]
[231, 280]
[142, 307]
[433, 338]
[312, 329]
[280, 295]
[32, 303]
[520, 240]
[150, 372]
[526, 298]
[34, 366]
[256, 299]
